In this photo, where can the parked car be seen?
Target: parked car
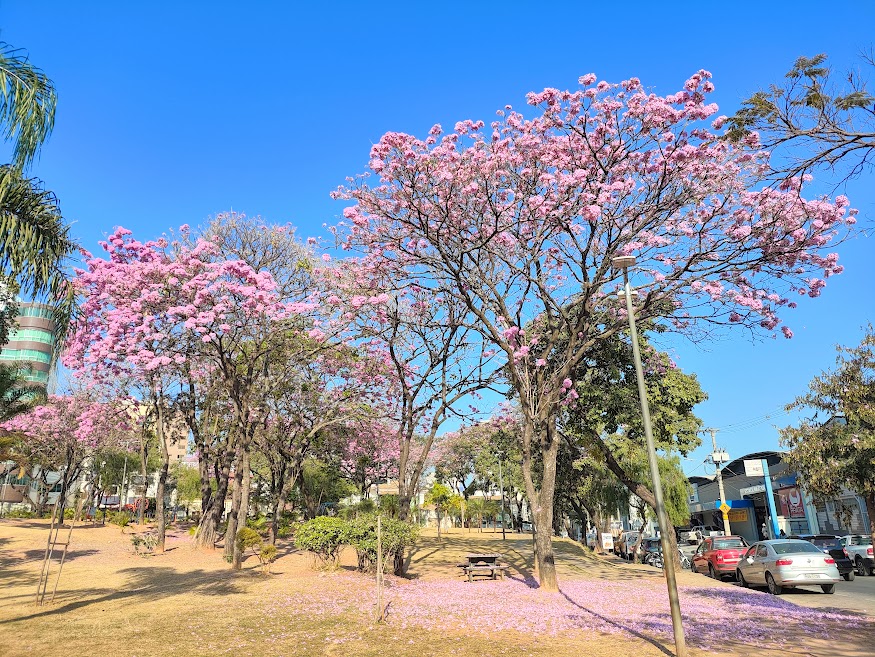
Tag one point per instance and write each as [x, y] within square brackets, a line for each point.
[858, 547]
[717, 556]
[625, 545]
[834, 547]
[701, 532]
[650, 547]
[787, 563]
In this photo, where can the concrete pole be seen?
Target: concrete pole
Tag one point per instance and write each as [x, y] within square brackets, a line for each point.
[501, 486]
[661, 515]
[727, 529]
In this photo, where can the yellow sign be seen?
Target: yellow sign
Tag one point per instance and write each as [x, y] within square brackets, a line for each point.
[725, 507]
[738, 515]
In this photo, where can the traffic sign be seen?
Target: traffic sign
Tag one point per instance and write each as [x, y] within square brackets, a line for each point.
[725, 507]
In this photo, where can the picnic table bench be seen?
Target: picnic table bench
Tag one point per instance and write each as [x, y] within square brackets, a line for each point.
[483, 564]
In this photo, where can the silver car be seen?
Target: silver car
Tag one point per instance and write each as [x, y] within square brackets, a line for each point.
[786, 563]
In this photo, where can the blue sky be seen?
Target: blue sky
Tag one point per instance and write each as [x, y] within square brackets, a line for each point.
[171, 112]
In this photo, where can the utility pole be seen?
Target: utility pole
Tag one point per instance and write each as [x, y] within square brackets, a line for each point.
[718, 457]
[501, 486]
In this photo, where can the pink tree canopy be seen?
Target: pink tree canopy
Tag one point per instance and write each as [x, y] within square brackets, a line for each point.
[519, 223]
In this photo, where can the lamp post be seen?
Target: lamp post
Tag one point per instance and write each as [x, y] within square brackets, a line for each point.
[501, 487]
[624, 262]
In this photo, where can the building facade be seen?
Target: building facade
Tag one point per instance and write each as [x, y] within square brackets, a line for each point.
[32, 343]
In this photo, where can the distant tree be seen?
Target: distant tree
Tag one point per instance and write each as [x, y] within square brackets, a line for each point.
[188, 484]
[835, 446]
[440, 496]
[814, 121]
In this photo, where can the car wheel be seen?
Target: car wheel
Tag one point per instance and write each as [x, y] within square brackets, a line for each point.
[849, 576]
[741, 579]
[861, 568]
[828, 588]
[774, 587]
[712, 572]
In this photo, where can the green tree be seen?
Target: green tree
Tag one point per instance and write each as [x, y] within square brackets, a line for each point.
[188, 484]
[607, 423]
[835, 446]
[34, 240]
[812, 120]
[440, 496]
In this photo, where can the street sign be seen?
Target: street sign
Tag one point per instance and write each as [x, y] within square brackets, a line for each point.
[753, 468]
[725, 507]
[750, 490]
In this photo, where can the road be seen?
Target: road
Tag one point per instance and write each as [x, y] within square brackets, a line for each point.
[857, 596]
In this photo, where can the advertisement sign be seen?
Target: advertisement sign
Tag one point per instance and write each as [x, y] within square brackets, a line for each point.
[737, 515]
[753, 468]
[607, 542]
[791, 502]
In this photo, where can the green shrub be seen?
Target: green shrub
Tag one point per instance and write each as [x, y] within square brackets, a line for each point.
[249, 539]
[69, 513]
[395, 536]
[144, 545]
[324, 537]
[120, 518]
[21, 513]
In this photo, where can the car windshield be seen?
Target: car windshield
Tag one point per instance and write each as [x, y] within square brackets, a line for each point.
[827, 543]
[728, 543]
[862, 540]
[794, 546]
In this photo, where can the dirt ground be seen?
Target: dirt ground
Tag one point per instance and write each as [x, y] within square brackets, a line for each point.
[113, 602]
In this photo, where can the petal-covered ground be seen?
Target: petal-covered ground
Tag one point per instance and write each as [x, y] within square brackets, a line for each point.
[713, 615]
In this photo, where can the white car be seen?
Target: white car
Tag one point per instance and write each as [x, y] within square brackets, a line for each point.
[787, 563]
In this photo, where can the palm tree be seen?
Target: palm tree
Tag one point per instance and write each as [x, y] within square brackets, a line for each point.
[34, 241]
[17, 395]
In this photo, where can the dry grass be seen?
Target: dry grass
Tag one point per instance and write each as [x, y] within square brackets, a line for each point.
[187, 602]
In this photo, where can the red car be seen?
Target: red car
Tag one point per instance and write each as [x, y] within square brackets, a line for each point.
[717, 556]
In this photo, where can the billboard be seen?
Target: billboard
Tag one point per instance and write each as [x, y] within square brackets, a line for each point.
[791, 502]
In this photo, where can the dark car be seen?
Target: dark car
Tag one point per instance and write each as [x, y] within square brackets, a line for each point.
[832, 545]
[649, 548]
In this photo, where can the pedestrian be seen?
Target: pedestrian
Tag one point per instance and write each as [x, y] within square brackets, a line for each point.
[764, 530]
[782, 534]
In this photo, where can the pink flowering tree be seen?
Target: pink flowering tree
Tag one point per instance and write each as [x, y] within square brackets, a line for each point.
[518, 223]
[64, 433]
[434, 365]
[158, 312]
[370, 452]
[308, 410]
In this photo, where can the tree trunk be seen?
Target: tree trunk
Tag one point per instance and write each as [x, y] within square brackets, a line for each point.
[203, 465]
[144, 454]
[211, 517]
[160, 515]
[243, 512]
[541, 501]
[231, 531]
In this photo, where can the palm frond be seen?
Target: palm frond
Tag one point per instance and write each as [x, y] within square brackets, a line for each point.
[27, 104]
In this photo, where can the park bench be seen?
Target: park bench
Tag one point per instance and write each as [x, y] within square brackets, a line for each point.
[483, 564]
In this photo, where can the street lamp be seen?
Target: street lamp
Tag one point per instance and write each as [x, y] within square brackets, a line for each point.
[624, 262]
[501, 486]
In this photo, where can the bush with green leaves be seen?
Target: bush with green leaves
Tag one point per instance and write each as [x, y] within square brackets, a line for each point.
[120, 518]
[144, 545]
[21, 513]
[395, 536]
[324, 536]
[249, 539]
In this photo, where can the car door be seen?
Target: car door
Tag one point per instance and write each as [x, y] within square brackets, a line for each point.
[700, 563]
[747, 565]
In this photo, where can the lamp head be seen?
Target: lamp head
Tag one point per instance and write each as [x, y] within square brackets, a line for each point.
[623, 262]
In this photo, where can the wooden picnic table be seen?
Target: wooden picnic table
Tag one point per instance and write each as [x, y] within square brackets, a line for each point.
[483, 564]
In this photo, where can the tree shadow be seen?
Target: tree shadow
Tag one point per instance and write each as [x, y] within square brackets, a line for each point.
[39, 554]
[609, 621]
[145, 584]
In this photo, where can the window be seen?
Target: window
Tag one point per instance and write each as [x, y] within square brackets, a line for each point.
[34, 335]
[795, 546]
[762, 550]
[729, 543]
